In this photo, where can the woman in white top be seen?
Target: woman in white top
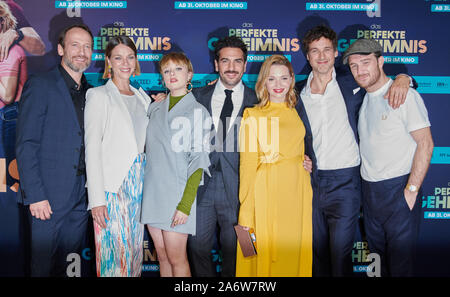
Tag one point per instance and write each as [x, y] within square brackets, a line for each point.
[115, 125]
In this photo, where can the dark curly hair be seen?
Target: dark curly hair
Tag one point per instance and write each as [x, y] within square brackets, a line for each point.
[316, 33]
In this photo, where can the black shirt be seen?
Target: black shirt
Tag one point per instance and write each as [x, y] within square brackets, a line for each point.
[78, 94]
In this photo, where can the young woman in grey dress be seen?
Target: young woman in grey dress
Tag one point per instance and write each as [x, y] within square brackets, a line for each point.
[177, 149]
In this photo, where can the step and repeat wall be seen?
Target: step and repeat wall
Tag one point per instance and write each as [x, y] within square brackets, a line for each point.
[413, 34]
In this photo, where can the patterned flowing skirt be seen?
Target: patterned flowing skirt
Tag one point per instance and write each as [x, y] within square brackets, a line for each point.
[119, 250]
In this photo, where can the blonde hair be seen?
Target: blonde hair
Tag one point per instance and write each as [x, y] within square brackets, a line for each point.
[176, 58]
[260, 87]
[10, 21]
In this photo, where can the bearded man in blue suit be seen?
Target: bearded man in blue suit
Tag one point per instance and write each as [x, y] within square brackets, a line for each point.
[50, 155]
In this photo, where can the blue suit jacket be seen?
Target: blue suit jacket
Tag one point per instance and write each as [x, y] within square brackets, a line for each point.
[352, 101]
[229, 161]
[48, 141]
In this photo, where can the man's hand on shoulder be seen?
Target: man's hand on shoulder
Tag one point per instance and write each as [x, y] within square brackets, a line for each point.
[398, 91]
[159, 97]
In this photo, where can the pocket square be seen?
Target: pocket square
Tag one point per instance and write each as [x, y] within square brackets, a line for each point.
[356, 90]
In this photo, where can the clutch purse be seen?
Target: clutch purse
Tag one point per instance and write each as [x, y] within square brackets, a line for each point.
[247, 240]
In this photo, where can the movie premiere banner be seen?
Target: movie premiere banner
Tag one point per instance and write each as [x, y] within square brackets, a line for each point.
[413, 34]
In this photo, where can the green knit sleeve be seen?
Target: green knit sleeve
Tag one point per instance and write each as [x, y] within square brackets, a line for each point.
[190, 191]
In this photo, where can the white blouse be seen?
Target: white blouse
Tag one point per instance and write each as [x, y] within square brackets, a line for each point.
[139, 118]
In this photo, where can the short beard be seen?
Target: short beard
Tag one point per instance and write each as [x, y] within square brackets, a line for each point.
[374, 81]
[231, 83]
[73, 67]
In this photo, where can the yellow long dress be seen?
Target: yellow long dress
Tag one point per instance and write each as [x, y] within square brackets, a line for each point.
[275, 193]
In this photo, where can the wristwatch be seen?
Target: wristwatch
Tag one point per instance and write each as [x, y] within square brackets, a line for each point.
[412, 188]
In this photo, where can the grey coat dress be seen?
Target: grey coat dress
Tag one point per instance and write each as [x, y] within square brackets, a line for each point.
[177, 144]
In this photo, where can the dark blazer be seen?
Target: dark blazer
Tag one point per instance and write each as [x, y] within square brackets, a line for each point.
[48, 141]
[353, 102]
[229, 160]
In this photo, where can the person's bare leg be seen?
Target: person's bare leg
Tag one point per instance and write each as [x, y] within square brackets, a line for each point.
[165, 269]
[175, 244]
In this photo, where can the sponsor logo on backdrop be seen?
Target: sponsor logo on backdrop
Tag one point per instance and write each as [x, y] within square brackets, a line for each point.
[142, 38]
[150, 48]
[150, 262]
[262, 42]
[395, 44]
[440, 8]
[359, 256]
[364, 261]
[434, 85]
[265, 39]
[210, 5]
[436, 205]
[217, 259]
[441, 155]
[90, 4]
[73, 8]
[371, 7]
[10, 171]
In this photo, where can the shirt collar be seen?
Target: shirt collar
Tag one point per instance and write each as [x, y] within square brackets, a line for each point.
[239, 88]
[70, 82]
[307, 89]
[383, 89]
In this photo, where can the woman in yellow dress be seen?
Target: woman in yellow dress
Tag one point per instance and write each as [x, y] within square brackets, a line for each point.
[275, 190]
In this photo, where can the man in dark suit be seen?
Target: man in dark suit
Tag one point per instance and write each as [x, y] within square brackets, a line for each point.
[218, 199]
[329, 104]
[50, 155]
